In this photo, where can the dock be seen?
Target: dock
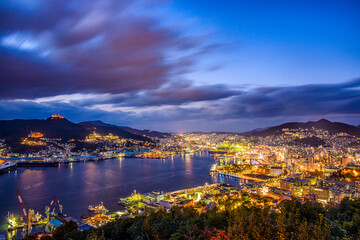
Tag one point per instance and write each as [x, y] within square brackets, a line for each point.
[213, 168]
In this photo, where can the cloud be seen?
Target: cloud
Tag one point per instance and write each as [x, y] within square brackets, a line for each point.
[225, 110]
[287, 102]
[173, 94]
[125, 63]
[303, 100]
[19, 109]
[181, 93]
[108, 46]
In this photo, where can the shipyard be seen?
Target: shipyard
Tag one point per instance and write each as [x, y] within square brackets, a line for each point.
[203, 198]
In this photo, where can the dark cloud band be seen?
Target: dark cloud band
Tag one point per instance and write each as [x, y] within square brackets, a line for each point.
[105, 46]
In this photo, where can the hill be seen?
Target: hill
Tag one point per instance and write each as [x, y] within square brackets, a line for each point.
[144, 133]
[104, 128]
[51, 128]
[58, 128]
[323, 124]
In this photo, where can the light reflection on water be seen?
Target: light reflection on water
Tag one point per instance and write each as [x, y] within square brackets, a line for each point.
[79, 185]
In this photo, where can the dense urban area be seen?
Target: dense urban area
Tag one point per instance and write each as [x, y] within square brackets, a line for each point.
[294, 181]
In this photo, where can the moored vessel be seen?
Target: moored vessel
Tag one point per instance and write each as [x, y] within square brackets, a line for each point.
[37, 163]
[98, 209]
[7, 166]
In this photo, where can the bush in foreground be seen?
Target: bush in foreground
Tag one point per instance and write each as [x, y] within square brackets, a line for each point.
[291, 220]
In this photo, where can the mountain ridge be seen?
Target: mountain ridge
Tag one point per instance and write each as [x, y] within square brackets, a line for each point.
[58, 128]
[324, 124]
[144, 132]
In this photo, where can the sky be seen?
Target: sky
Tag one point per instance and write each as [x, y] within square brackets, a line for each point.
[181, 65]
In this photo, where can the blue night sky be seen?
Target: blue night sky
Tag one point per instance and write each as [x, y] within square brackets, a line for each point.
[181, 65]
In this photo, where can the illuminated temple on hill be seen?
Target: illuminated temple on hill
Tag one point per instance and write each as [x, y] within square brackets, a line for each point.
[56, 116]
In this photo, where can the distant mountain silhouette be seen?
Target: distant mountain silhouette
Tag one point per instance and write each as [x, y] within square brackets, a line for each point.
[104, 128]
[144, 133]
[98, 123]
[331, 127]
[252, 132]
[54, 127]
[51, 128]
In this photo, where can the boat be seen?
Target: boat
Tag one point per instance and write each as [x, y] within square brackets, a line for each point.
[37, 163]
[7, 166]
[122, 203]
[98, 209]
[152, 155]
[213, 151]
[213, 169]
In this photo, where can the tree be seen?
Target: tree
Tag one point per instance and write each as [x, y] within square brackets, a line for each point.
[67, 227]
[30, 237]
[46, 237]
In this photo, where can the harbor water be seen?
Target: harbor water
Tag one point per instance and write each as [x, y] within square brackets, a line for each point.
[79, 185]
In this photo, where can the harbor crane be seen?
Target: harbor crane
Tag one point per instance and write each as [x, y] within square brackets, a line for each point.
[22, 204]
[48, 208]
[28, 218]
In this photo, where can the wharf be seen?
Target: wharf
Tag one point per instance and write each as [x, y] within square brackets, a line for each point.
[251, 177]
[192, 189]
[213, 168]
[22, 225]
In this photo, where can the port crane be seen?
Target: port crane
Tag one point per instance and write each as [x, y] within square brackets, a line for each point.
[21, 203]
[48, 208]
[60, 206]
[56, 202]
[27, 218]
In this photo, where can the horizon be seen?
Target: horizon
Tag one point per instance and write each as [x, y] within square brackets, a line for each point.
[194, 131]
[180, 66]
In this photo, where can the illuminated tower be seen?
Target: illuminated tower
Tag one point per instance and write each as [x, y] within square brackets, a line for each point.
[311, 163]
[287, 160]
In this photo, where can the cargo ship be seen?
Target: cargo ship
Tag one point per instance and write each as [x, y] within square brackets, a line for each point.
[37, 163]
[7, 166]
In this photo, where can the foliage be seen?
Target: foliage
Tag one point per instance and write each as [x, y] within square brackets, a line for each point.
[290, 220]
[345, 219]
[30, 237]
[46, 238]
[61, 232]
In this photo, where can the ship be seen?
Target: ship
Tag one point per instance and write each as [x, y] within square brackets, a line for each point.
[98, 209]
[213, 169]
[152, 155]
[122, 202]
[7, 166]
[216, 152]
[37, 163]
